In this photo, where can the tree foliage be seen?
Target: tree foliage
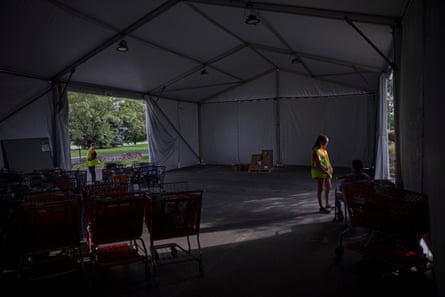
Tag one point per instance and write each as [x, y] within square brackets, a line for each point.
[132, 115]
[390, 103]
[107, 121]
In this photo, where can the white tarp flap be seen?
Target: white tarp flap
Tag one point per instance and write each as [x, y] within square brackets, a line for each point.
[63, 145]
[382, 155]
[172, 133]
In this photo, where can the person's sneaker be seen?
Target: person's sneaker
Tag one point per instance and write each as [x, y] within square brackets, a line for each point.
[324, 210]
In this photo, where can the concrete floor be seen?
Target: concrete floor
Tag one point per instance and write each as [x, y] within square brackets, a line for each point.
[261, 235]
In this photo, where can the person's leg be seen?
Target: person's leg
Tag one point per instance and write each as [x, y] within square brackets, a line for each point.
[92, 171]
[320, 182]
[327, 191]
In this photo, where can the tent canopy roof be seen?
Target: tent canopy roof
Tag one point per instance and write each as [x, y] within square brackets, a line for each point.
[339, 47]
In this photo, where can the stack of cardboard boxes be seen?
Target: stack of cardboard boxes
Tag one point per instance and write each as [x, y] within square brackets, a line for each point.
[261, 162]
[240, 167]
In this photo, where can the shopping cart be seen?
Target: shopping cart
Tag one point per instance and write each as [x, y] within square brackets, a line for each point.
[148, 176]
[95, 190]
[390, 220]
[49, 235]
[56, 180]
[178, 186]
[171, 216]
[9, 204]
[115, 232]
[120, 175]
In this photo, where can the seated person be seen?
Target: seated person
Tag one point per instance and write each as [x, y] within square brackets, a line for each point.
[357, 175]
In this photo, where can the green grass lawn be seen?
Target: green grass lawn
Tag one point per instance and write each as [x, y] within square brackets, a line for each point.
[141, 148]
[130, 148]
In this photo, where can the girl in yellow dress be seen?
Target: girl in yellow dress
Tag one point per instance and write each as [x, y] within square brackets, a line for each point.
[321, 170]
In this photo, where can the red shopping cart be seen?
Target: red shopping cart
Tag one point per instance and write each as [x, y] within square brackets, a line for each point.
[49, 235]
[115, 232]
[391, 221]
[171, 216]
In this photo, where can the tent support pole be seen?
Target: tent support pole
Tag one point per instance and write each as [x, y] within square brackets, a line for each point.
[277, 117]
[55, 107]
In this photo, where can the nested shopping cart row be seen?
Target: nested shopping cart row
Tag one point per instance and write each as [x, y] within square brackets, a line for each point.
[104, 225]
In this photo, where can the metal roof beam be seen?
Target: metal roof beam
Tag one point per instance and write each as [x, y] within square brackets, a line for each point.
[308, 11]
[316, 57]
[236, 86]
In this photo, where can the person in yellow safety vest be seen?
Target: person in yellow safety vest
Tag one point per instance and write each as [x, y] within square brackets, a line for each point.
[321, 170]
[92, 161]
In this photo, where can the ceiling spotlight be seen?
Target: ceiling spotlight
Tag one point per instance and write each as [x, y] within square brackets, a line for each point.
[204, 72]
[252, 19]
[122, 47]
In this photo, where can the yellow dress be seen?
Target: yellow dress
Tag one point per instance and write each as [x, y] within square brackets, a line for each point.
[320, 157]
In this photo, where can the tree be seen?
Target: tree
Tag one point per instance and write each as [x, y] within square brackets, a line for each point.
[390, 103]
[92, 117]
[132, 115]
[107, 121]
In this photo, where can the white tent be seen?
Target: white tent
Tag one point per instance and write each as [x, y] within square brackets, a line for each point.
[281, 82]
[308, 67]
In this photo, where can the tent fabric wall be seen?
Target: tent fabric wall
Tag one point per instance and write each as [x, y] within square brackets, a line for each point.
[17, 92]
[420, 111]
[23, 123]
[434, 142]
[233, 131]
[172, 130]
[39, 107]
[348, 122]
[411, 99]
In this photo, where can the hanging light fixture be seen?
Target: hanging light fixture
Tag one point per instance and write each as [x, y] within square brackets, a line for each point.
[122, 47]
[252, 18]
